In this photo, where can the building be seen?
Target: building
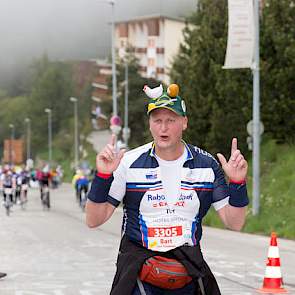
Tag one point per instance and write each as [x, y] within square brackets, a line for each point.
[13, 151]
[83, 72]
[154, 40]
[100, 93]
[100, 82]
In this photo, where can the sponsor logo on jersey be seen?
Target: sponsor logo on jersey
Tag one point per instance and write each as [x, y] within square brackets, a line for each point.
[151, 175]
[186, 197]
[156, 197]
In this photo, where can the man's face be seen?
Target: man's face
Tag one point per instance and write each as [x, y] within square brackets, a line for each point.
[166, 128]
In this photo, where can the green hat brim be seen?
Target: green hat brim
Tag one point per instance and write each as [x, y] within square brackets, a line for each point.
[165, 107]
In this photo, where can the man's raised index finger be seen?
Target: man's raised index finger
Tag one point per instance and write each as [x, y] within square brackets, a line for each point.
[234, 145]
[113, 139]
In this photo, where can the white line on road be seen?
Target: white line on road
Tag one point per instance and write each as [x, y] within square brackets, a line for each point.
[234, 274]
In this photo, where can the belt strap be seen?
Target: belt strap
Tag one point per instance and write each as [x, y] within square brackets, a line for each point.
[202, 289]
[140, 286]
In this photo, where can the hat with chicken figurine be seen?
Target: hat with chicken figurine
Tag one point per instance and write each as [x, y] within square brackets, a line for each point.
[169, 100]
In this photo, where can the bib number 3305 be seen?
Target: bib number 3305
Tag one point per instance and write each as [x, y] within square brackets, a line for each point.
[161, 232]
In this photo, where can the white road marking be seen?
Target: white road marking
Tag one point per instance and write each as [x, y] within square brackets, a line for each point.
[234, 274]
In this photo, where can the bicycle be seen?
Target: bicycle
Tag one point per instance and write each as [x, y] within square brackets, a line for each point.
[23, 196]
[8, 199]
[82, 195]
[45, 197]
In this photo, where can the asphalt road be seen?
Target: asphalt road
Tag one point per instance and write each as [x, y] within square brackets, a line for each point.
[54, 253]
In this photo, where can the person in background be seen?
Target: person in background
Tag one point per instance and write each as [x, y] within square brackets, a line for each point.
[54, 178]
[82, 186]
[44, 178]
[8, 183]
[167, 187]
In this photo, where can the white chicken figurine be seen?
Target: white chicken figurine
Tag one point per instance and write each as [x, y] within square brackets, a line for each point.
[153, 92]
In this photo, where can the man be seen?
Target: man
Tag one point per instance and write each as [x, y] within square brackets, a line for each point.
[167, 187]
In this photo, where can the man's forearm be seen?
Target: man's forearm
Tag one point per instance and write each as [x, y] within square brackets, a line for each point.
[235, 217]
[98, 213]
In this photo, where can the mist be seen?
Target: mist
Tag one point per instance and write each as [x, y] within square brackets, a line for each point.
[68, 29]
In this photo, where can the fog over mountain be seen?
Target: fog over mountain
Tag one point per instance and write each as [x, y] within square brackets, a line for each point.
[68, 29]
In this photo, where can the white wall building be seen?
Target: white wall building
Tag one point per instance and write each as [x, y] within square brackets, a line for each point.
[155, 40]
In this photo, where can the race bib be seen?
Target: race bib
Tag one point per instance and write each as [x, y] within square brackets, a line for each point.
[172, 232]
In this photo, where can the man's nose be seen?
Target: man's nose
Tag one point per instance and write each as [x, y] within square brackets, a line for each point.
[164, 126]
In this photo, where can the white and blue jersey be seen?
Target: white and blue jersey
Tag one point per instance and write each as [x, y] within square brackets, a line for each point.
[155, 220]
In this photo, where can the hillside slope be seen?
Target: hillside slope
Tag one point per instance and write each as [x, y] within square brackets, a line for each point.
[277, 199]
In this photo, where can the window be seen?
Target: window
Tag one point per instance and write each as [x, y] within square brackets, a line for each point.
[151, 43]
[151, 62]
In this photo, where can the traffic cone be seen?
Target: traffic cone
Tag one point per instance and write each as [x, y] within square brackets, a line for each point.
[273, 281]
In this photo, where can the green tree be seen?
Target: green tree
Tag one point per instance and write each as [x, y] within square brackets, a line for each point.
[52, 88]
[13, 111]
[137, 101]
[278, 67]
[218, 100]
[48, 85]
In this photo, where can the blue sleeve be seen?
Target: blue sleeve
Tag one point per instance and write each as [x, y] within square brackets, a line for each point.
[99, 190]
[238, 195]
[220, 187]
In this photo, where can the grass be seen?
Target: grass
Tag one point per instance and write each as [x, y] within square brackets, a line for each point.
[277, 193]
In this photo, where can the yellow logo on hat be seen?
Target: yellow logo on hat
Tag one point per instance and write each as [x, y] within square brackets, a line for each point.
[151, 106]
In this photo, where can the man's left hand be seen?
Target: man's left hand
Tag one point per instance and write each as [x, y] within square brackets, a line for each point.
[236, 167]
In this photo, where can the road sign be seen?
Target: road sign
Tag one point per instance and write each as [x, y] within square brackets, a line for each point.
[250, 128]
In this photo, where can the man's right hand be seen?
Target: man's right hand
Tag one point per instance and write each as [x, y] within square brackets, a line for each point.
[108, 160]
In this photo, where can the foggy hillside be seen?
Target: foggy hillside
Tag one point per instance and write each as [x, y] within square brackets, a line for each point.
[68, 29]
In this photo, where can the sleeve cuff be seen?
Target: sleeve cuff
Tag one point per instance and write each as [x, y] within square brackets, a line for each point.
[103, 175]
[238, 195]
[100, 189]
[241, 182]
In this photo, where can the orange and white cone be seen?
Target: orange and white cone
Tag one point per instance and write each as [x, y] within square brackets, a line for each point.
[273, 281]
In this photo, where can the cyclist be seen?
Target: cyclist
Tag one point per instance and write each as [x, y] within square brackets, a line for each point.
[78, 174]
[82, 184]
[8, 185]
[44, 181]
[54, 178]
[18, 179]
[25, 177]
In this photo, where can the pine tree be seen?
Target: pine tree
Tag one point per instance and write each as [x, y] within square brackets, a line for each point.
[218, 100]
[138, 120]
[51, 88]
[278, 68]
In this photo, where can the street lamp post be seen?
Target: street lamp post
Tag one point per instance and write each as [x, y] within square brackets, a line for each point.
[114, 78]
[49, 112]
[126, 130]
[76, 148]
[256, 116]
[12, 136]
[28, 121]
